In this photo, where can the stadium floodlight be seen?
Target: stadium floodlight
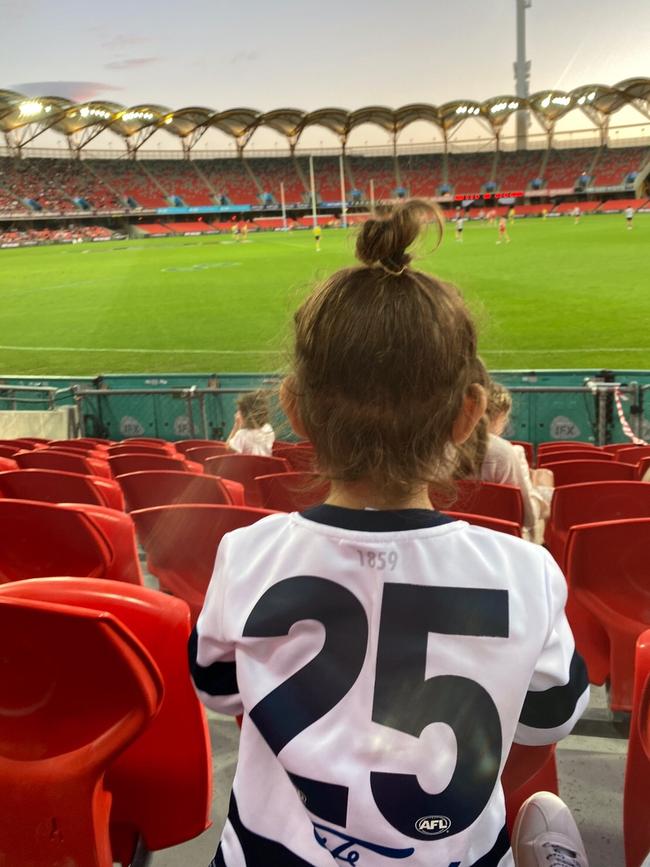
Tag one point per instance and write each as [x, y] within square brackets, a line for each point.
[30, 108]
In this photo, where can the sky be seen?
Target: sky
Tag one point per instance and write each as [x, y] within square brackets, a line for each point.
[295, 53]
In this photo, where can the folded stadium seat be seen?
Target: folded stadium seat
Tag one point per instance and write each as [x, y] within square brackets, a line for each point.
[9, 451]
[79, 445]
[181, 544]
[19, 445]
[301, 458]
[202, 453]
[489, 499]
[632, 455]
[34, 442]
[244, 469]
[148, 488]
[615, 447]
[642, 469]
[83, 451]
[591, 502]
[50, 459]
[43, 539]
[528, 450]
[133, 463]
[564, 445]
[637, 771]
[527, 770]
[76, 688]
[509, 527]
[575, 472]
[607, 573]
[146, 441]
[291, 492]
[551, 457]
[97, 440]
[183, 445]
[7, 464]
[119, 534]
[162, 802]
[54, 486]
[140, 449]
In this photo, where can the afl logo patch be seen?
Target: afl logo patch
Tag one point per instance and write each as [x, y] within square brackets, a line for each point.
[432, 826]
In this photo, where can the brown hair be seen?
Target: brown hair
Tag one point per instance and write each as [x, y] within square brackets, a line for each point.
[384, 356]
[470, 455]
[254, 409]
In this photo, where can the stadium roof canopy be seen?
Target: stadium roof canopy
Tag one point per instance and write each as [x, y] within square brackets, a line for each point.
[23, 118]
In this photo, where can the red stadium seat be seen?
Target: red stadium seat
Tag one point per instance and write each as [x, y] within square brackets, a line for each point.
[181, 544]
[183, 445]
[509, 527]
[555, 457]
[51, 459]
[301, 458]
[245, 469]
[616, 447]
[607, 572]
[291, 492]
[527, 770]
[18, 444]
[52, 486]
[147, 441]
[139, 449]
[591, 502]
[120, 465]
[489, 499]
[119, 533]
[576, 472]
[642, 468]
[77, 689]
[77, 445]
[163, 802]
[43, 539]
[637, 771]
[633, 454]
[7, 464]
[202, 453]
[564, 445]
[148, 488]
[7, 451]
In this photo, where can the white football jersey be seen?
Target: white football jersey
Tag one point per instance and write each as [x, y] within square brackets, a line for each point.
[384, 663]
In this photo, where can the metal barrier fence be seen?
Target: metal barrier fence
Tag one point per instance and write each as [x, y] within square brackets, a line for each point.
[34, 397]
[540, 412]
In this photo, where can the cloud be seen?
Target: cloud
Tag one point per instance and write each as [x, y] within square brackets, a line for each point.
[120, 40]
[131, 62]
[77, 91]
[244, 56]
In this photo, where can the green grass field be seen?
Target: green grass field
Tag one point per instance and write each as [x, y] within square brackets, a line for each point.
[558, 296]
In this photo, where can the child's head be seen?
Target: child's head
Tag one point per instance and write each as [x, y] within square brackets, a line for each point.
[384, 365]
[499, 407]
[254, 409]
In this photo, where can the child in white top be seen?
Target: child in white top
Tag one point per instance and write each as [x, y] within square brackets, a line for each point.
[251, 433]
[384, 656]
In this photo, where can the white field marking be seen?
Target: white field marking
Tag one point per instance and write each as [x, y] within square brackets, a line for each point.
[572, 350]
[146, 351]
[276, 351]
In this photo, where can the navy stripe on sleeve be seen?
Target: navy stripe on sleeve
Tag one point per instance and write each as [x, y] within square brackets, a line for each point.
[219, 678]
[551, 708]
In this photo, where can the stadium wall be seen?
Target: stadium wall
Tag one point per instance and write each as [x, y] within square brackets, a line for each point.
[548, 404]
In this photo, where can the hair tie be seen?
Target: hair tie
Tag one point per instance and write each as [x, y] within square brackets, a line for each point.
[390, 270]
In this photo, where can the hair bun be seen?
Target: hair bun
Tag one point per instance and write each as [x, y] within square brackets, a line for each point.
[385, 238]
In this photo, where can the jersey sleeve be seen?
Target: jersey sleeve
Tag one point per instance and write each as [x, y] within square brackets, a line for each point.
[211, 654]
[558, 693]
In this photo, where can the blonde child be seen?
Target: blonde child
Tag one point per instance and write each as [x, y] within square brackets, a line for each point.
[384, 656]
[251, 432]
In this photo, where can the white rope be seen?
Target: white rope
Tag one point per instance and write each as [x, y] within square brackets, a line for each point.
[625, 425]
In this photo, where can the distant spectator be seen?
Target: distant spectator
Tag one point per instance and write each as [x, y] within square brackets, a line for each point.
[251, 433]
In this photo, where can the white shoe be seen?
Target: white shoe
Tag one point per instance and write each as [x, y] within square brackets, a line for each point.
[545, 834]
